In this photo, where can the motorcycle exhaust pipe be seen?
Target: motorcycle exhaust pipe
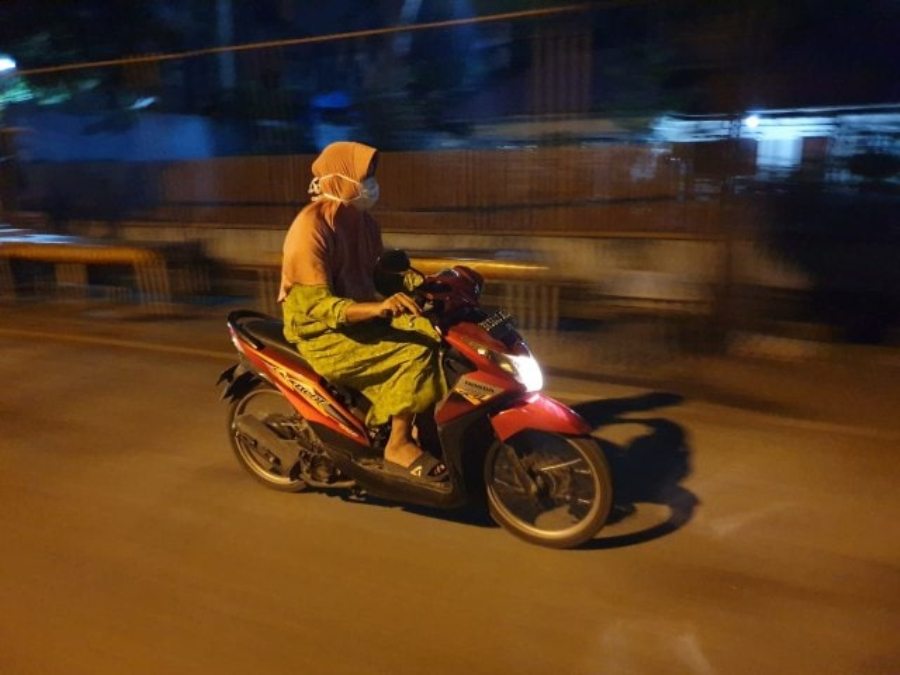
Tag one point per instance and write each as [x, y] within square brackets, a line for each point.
[286, 453]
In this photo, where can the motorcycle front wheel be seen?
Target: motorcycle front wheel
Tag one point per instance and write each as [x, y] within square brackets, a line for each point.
[548, 489]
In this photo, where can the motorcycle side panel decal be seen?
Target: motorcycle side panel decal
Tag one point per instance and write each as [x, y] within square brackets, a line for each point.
[315, 399]
[477, 388]
[476, 392]
[541, 413]
[309, 394]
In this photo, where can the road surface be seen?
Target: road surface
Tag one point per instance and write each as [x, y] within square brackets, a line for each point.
[134, 543]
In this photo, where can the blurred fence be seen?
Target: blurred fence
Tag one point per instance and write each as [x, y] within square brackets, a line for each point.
[550, 191]
[662, 215]
[515, 133]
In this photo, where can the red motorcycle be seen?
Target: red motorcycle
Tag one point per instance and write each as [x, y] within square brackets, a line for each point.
[531, 458]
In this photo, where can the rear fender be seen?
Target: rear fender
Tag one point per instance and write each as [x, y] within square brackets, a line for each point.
[239, 381]
[540, 413]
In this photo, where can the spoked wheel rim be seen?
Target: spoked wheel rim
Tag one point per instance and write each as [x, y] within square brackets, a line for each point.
[547, 487]
[265, 404]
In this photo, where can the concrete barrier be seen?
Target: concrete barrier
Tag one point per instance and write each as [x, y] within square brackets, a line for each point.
[71, 260]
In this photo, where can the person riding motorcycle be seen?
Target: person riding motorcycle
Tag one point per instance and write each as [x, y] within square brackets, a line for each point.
[337, 324]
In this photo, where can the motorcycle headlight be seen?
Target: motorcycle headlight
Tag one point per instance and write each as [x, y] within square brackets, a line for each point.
[525, 369]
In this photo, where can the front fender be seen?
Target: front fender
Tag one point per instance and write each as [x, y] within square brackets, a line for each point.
[541, 413]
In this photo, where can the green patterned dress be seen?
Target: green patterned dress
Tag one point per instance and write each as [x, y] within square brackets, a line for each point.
[393, 364]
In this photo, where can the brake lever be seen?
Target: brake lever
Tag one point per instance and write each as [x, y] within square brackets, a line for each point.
[427, 306]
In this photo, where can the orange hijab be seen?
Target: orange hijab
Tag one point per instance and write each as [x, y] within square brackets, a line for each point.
[331, 242]
[337, 172]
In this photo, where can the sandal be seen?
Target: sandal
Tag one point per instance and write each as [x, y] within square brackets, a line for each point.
[425, 467]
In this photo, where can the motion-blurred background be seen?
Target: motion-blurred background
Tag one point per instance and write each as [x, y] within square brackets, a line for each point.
[663, 178]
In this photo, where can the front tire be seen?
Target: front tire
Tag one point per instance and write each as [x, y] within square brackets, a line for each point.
[268, 405]
[548, 489]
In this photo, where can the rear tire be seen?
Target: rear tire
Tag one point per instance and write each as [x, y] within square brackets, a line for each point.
[566, 497]
[263, 401]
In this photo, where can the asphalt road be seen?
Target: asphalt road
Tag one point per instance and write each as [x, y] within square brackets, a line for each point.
[134, 543]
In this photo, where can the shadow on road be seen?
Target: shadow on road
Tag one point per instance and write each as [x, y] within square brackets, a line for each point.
[476, 515]
[647, 470]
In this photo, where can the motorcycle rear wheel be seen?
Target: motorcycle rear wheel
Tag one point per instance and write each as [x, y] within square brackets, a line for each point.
[266, 403]
[548, 489]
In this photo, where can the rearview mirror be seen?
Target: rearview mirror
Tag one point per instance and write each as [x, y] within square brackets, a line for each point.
[394, 261]
[390, 270]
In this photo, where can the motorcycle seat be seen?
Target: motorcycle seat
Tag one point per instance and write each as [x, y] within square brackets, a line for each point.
[269, 332]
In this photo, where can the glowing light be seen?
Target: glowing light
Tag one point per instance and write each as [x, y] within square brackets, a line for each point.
[144, 102]
[7, 64]
[529, 372]
[752, 121]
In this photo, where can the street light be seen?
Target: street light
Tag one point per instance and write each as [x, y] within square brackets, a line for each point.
[7, 63]
[7, 69]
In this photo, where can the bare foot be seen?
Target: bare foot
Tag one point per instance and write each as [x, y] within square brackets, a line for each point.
[403, 454]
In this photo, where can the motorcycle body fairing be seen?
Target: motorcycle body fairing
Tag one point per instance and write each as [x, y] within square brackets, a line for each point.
[485, 405]
[522, 410]
[305, 391]
[541, 413]
[485, 383]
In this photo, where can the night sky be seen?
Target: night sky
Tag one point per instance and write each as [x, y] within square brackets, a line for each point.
[694, 56]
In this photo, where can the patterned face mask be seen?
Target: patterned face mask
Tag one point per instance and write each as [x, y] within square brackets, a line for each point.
[368, 191]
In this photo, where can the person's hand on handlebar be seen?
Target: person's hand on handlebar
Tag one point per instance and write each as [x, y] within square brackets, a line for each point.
[398, 304]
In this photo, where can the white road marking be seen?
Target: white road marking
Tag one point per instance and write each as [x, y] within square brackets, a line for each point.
[574, 397]
[115, 342]
[728, 526]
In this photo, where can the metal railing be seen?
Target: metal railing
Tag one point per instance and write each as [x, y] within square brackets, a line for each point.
[71, 261]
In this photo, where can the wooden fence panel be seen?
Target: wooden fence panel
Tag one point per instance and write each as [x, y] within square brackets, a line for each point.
[565, 190]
